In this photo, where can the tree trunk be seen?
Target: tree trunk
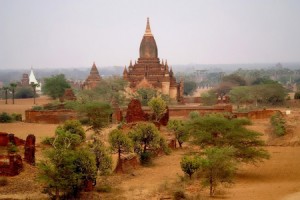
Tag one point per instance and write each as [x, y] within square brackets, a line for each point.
[13, 96]
[180, 144]
[211, 192]
[5, 96]
[34, 93]
[56, 193]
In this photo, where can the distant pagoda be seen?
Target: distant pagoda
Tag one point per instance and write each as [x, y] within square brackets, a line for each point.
[149, 72]
[93, 79]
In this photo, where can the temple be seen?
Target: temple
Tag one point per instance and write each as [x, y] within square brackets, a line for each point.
[150, 72]
[93, 79]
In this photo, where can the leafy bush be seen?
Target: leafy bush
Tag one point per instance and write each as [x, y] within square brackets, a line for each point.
[37, 108]
[24, 92]
[48, 140]
[16, 117]
[278, 124]
[146, 158]
[53, 106]
[74, 127]
[190, 165]
[194, 115]
[3, 181]
[5, 118]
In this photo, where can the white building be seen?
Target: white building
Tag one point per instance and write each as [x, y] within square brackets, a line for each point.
[32, 79]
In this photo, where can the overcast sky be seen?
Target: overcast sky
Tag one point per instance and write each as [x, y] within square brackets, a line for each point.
[75, 33]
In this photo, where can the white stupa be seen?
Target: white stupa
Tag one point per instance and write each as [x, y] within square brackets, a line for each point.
[32, 79]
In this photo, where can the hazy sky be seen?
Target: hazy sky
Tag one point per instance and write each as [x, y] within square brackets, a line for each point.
[74, 33]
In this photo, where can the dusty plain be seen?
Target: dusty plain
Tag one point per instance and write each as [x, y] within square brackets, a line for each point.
[274, 179]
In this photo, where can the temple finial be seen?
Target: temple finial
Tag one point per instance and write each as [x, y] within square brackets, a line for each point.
[148, 30]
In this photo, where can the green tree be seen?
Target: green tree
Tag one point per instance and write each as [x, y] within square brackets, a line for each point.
[13, 89]
[112, 89]
[180, 132]
[55, 86]
[240, 95]
[217, 166]
[97, 114]
[158, 107]
[216, 130]
[209, 98]
[103, 157]
[235, 79]
[144, 95]
[6, 89]
[66, 168]
[189, 87]
[73, 127]
[146, 139]
[190, 165]
[119, 143]
[273, 94]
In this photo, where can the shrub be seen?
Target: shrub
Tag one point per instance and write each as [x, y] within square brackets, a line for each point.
[146, 158]
[297, 95]
[16, 117]
[11, 148]
[36, 108]
[190, 165]
[74, 127]
[193, 115]
[48, 140]
[3, 181]
[5, 118]
[24, 92]
[278, 124]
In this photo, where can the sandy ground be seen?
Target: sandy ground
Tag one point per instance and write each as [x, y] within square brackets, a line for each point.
[275, 179]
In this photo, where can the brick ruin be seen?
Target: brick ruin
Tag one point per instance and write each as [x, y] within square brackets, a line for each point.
[11, 164]
[135, 112]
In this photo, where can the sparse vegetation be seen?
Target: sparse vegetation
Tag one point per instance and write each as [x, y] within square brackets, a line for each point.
[67, 166]
[7, 118]
[55, 86]
[278, 124]
[158, 107]
[146, 140]
[180, 132]
[190, 165]
[12, 148]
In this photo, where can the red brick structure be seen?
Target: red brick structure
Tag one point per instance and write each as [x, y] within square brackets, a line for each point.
[25, 80]
[69, 95]
[6, 138]
[135, 112]
[150, 72]
[29, 154]
[49, 116]
[258, 114]
[93, 79]
[10, 165]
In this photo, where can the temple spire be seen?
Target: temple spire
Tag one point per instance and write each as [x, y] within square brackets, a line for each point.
[148, 30]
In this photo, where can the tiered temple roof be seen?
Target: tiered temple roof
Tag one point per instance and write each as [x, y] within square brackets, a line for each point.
[149, 66]
[93, 79]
